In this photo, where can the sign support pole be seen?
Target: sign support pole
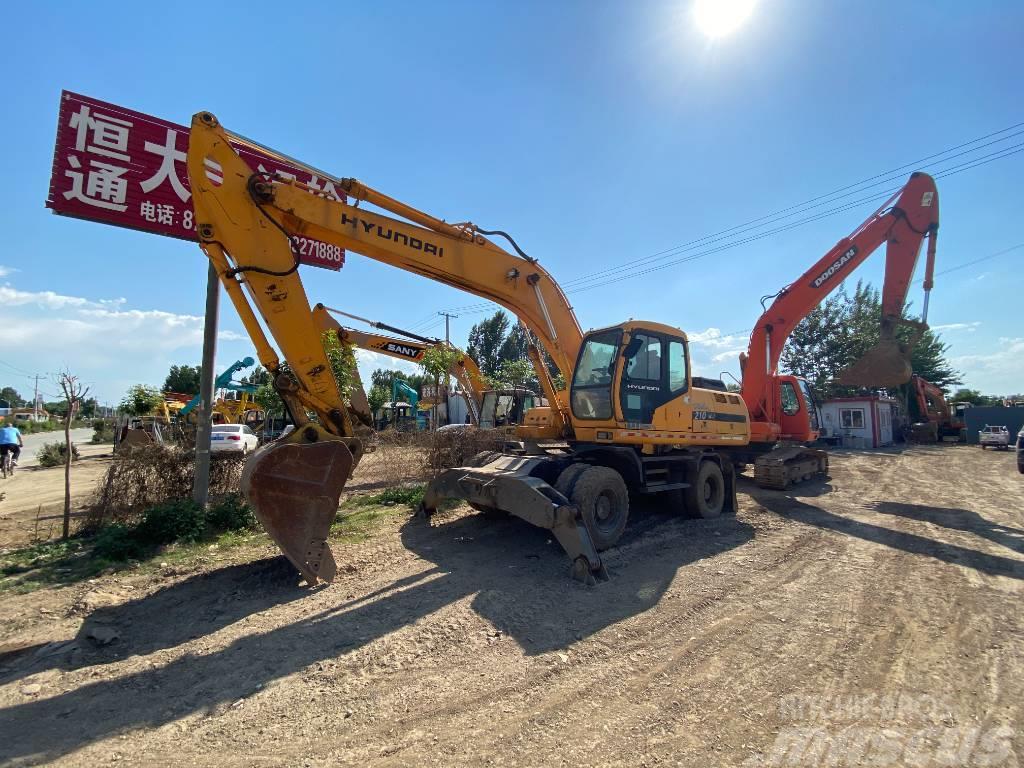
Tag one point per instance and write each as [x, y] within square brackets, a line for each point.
[201, 486]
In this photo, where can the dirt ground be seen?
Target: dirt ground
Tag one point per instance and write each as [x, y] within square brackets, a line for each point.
[874, 619]
[32, 503]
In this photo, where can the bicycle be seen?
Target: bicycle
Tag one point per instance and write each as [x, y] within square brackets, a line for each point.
[7, 464]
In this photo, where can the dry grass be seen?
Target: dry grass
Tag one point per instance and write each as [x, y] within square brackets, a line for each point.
[151, 474]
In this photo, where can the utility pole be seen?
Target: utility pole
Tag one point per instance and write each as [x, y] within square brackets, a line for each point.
[35, 401]
[201, 484]
[447, 378]
[447, 325]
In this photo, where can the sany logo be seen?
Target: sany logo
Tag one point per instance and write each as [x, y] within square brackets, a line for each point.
[926, 199]
[835, 267]
[400, 349]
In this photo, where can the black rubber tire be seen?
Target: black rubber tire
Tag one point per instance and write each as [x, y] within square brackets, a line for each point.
[600, 495]
[567, 479]
[705, 498]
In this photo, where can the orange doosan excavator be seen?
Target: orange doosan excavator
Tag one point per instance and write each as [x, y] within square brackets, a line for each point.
[631, 417]
[781, 406]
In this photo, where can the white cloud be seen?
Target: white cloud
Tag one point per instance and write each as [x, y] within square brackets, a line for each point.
[730, 354]
[5, 271]
[971, 327]
[712, 337]
[98, 339]
[999, 372]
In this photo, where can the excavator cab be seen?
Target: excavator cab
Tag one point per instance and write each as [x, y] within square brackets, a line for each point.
[798, 410]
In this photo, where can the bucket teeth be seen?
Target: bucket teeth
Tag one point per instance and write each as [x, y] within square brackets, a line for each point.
[294, 488]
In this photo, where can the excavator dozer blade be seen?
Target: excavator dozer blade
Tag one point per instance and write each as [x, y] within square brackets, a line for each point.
[294, 488]
[886, 364]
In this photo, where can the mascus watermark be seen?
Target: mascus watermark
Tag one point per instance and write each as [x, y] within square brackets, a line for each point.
[882, 730]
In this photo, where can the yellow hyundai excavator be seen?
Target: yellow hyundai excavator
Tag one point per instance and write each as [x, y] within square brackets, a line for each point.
[487, 408]
[630, 420]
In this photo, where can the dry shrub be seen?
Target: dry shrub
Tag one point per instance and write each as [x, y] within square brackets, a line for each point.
[147, 475]
[400, 458]
[454, 447]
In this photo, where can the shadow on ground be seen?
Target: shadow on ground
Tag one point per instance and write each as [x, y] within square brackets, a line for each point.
[958, 520]
[518, 579]
[792, 508]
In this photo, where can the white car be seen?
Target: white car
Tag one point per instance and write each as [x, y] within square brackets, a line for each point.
[233, 438]
[995, 436]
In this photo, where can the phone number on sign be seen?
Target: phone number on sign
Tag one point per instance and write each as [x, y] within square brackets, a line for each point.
[317, 250]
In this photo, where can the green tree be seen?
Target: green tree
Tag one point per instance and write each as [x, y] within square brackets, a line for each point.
[88, 408]
[56, 408]
[486, 340]
[10, 394]
[141, 400]
[382, 377]
[436, 363]
[377, 397]
[184, 379]
[842, 328]
[974, 397]
[516, 374]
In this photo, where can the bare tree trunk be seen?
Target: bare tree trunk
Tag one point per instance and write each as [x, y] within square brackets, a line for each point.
[67, 470]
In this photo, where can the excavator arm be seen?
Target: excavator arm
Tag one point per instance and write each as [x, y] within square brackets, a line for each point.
[902, 223]
[464, 369]
[249, 227]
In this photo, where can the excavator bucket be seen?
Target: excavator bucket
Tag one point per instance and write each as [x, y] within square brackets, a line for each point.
[886, 364]
[294, 487]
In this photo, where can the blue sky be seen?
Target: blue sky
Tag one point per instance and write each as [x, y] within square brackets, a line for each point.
[597, 133]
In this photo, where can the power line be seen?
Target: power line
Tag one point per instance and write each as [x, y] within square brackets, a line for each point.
[693, 257]
[605, 277]
[818, 201]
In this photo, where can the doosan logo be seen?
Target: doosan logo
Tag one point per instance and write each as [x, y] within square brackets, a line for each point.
[835, 267]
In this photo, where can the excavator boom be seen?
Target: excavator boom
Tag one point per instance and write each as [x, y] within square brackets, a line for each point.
[902, 224]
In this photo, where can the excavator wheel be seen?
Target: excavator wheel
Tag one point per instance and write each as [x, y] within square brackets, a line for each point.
[293, 486]
[600, 495]
[705, 497]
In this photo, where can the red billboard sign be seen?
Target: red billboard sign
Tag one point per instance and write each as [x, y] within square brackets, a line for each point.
[125, 168]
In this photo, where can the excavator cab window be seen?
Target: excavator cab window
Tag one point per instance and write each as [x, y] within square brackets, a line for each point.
[790, 402]
[592, 381]
[812, 406]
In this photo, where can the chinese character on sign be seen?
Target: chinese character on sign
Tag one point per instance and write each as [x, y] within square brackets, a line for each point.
[165, 215]
[170, 155]
[104, 187]
[109, 134]
[147, 211]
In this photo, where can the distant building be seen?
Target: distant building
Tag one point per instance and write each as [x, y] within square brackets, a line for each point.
[859, 422]
[27, 414]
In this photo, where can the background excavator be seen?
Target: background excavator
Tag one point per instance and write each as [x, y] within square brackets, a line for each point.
[782, 408]
[932, 418]
[487, 408]
[227, 410]
[630, 420]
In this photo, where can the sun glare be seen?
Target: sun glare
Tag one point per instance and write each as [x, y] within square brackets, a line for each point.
[717, 18]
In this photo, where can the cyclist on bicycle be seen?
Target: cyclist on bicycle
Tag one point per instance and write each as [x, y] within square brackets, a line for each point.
[10, 441]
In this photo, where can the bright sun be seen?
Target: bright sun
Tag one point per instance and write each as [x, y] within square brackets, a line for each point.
[717, 18]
